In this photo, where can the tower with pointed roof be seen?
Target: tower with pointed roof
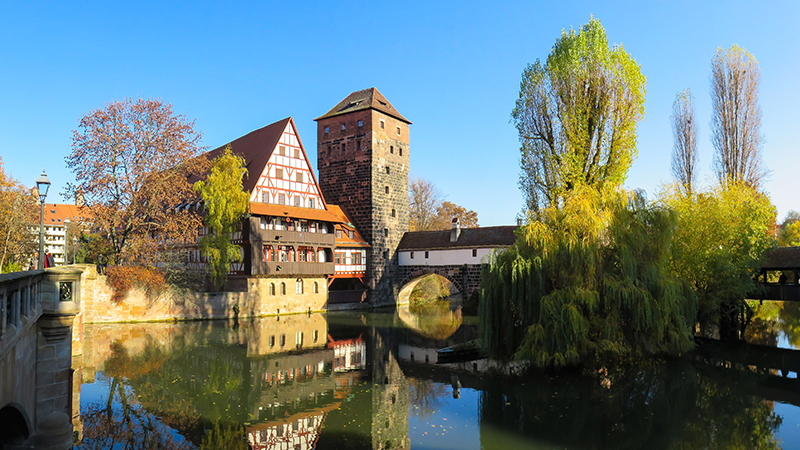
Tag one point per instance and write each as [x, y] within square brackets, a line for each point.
[363, 162]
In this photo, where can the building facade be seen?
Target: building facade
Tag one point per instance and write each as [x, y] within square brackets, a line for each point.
[363, 162]
[62, 222]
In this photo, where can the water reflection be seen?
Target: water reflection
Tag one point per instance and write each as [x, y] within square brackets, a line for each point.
[371, 381]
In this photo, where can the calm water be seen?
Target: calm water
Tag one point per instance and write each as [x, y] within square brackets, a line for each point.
[361, 381]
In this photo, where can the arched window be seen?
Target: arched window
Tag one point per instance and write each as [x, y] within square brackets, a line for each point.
[272, 289]
[316, 288]
[298, 286]
[283, 288]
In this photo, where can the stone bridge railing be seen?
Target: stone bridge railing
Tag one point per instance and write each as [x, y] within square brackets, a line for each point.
[37, 309]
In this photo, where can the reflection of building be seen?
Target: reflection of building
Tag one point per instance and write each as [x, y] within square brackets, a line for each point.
[348, 354]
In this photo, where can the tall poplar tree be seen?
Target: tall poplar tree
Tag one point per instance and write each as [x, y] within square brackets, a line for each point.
[736, 116]
[576, 116]
[684, 138]
[225, 203]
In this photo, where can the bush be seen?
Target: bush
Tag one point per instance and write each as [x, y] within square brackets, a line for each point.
[123, 278]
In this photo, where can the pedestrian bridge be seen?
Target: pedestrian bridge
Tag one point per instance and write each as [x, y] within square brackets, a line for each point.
[779, 278]
[456, 254]
[37, 309]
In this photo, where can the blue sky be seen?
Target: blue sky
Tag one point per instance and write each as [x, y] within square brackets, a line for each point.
[453, 69]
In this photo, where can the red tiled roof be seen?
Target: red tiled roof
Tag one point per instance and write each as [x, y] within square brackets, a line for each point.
[58, 214]
[364, 99]
[295, 212]
[345, 226]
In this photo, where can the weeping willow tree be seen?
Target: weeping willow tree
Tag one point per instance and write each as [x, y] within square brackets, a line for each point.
[587, 281]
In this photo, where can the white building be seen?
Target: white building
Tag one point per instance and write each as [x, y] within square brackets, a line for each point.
[59, 220]
[453, 247]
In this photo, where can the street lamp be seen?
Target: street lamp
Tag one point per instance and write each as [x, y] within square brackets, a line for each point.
[42, 185]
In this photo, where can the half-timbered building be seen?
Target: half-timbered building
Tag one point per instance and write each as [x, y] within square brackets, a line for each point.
[289, 235]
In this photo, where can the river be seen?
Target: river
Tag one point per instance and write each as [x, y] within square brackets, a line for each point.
[350, 380]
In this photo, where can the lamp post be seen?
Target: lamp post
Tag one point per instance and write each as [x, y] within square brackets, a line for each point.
[42, 185]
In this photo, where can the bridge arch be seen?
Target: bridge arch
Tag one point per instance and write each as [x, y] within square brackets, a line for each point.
[15, 425]
[413, 279]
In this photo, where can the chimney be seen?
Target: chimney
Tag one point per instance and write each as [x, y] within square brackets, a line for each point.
[455, 232]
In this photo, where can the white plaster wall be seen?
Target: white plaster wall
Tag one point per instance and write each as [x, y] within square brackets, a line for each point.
[444, 257]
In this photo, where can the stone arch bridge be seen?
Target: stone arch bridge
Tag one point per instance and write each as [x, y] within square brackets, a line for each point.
[457, 255]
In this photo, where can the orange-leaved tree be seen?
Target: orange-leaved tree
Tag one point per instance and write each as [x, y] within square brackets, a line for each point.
[131, 161]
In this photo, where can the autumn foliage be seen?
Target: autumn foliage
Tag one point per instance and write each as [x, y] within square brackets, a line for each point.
[123, 278]
[131, 161]
[18, 209]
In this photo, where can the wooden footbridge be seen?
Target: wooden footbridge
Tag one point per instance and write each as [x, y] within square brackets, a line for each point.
[779, 279]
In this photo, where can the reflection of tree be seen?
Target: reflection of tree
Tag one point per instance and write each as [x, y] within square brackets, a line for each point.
[653, 405]
[435, 319]
[130, 428]
[425, 397]
[763, 328]
[224, 436]
[790, 323]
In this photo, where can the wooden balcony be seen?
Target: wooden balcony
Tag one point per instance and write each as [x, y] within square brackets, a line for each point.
[295, 238]
[278, 268]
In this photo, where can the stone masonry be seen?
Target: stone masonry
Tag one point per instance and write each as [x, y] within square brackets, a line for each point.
[363, 161]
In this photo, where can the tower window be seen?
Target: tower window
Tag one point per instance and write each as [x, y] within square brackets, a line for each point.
[387, 189]
[344, 127]
[386, 232]
[398, 131]
[383, 124]
[326, 130]
[360, 123]
[358, 145]
[344, 146]
[401, 150]
[387, 170]
[391, 149]
[394, 213]
[329, 149]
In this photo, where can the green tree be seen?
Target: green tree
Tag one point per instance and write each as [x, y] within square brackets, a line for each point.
[789, 232]
[226, 203]
[585, 282]
[719, 240]
[576, 116]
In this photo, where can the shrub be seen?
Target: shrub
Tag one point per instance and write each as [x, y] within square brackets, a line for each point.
[147, 278]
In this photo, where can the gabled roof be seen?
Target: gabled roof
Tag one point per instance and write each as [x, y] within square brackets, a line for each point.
[364, 99]
[782, 258]
[486, 237]
[256, 148]
[347, 225]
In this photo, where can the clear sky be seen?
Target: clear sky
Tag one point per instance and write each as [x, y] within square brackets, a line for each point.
[452, 68]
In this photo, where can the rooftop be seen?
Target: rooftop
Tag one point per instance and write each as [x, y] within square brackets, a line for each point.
[486, 237]
[364, 99]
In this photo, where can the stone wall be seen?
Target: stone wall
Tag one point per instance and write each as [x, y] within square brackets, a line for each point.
[466, 277]
[258, 300]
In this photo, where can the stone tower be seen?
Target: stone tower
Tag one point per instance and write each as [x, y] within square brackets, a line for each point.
[363, 161]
